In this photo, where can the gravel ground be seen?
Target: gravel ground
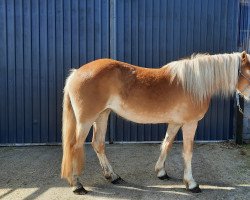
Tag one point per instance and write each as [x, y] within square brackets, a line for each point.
[221, 169]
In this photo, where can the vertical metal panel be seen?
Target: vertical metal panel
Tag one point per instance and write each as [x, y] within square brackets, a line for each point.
[162, 31]
[43, 40]
[59, 65]
[40, 41]
[51, 71]
[4, 74]
[27, 71]
[19, 71]
[35, 57]
[11, 72]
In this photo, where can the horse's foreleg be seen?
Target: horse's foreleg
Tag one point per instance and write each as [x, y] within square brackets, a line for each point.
[98, 143]
[188, 140]
[165, 147]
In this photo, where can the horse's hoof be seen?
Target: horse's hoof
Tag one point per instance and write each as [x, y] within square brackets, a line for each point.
[164, 177]
[119, 180]
[196, 189]
[80, 191]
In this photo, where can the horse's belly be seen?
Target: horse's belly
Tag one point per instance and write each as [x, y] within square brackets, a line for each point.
[143, 118]
[146, 115]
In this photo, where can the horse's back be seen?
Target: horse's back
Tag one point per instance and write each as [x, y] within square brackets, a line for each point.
[114, 76]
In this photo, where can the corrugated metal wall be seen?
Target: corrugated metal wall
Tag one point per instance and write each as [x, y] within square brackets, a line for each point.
[42, 40]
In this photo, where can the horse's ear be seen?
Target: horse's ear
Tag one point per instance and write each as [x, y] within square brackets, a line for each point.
[244, 56]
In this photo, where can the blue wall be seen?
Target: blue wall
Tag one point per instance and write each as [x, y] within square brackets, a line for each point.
[42, 40]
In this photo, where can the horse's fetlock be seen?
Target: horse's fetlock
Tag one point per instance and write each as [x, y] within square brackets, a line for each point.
[190, 184]
[161, 173]
[111, 176]
[185, 183]
[158, 167]
[108, 176]
[79, 189]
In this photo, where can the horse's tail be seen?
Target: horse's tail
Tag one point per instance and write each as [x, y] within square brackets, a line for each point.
[68, 136]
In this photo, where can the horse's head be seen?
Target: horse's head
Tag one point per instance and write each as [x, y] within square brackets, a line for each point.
[243, 85]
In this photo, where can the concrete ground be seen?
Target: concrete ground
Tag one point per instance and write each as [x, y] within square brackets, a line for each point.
[221, 169]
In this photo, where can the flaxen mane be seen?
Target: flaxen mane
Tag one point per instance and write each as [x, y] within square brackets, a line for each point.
[204, 75]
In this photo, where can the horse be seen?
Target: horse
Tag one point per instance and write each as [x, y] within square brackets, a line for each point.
[178, 94]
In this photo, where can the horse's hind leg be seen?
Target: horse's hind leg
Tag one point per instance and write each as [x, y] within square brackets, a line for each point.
[165, 147]
[98, 143]
[188, 140]
[82, 131]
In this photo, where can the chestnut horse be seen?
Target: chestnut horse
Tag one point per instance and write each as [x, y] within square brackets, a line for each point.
[179, 94]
